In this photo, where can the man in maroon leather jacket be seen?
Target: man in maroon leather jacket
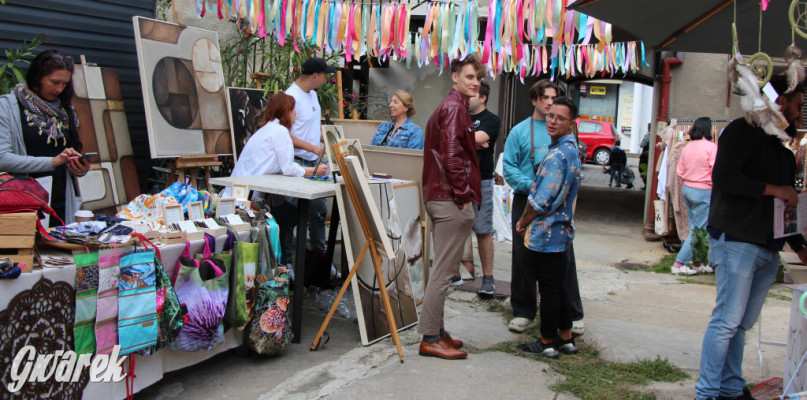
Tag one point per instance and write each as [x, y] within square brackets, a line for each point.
[451, 182]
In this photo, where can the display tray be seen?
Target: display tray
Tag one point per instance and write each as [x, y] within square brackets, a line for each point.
[75, 246]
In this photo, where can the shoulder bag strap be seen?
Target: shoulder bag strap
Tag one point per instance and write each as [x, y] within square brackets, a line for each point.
[532, 146]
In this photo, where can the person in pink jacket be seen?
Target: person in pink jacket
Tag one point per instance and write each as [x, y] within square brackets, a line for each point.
[695, 170]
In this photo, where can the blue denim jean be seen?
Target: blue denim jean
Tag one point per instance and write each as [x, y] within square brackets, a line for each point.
[697, 204]
[743, 274]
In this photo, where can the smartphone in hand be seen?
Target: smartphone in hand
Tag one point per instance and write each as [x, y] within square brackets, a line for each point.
[90, 157]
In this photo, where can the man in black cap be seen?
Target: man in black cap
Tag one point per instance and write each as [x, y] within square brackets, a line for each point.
[306, 136]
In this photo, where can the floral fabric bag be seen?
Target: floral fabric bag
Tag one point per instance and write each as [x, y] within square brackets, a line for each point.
[203, 287]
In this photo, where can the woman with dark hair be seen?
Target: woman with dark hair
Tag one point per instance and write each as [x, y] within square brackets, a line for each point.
[695, 169]
[271, 151]
[38, 130]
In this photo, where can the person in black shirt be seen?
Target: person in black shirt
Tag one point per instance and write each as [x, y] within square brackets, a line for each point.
[752, 168]
[487, 126]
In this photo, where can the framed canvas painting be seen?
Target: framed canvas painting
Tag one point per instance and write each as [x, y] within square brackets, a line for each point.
[373, 325]
[246, 108]
[183, 89]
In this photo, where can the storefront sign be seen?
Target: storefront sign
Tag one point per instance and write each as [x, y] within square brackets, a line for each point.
[600, 90]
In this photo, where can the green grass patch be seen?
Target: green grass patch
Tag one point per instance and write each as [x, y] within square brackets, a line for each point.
[588, 375]
[699, 281]
[663, 266]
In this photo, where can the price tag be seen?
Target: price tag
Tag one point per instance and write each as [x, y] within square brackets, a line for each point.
[187, 226]
[211, 223]
[770, 92]
[250, 213]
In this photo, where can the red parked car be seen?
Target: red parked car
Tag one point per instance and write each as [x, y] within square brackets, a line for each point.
[598, 137]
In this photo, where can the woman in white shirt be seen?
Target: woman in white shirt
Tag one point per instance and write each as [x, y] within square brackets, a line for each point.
[270, 149]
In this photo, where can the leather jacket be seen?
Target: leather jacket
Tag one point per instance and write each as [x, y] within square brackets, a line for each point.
[450, 169]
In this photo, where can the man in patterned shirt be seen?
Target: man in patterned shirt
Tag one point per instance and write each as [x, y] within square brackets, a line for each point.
[548, 230]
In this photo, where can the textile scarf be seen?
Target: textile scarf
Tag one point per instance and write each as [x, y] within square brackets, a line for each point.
[48, 117]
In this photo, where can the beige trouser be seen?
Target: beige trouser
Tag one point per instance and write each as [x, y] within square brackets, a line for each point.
[450, 227]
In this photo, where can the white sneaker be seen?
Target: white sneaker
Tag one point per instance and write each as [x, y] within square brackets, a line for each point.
[578, 328]
[704, 269]
[521, 324]
[684, 269]
[334, 273]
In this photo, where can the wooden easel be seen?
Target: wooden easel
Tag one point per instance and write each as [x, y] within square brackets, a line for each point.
[183, 163]
[370, 244]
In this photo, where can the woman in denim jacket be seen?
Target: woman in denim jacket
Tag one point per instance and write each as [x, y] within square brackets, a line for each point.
[400, 131]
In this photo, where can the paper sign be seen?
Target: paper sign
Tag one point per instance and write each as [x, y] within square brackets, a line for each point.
[172, 214]
[225, 207]
[233, 219]
[187, 226]
[196, 211]
[211, 223]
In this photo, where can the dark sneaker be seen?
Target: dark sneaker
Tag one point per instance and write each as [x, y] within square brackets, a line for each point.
[487, 285]
[567, 346]
[456, 280]
[745, 396]
[538, 348]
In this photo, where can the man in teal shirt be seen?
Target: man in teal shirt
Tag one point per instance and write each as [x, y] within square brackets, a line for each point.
[530, 136]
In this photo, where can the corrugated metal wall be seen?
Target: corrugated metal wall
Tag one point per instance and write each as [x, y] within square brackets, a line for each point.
[99, 29]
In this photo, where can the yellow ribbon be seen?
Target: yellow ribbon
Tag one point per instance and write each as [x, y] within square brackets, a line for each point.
[340, 37]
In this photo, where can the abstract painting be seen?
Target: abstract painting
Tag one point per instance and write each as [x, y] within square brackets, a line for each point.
[183, 89]
[373, 325]
[103, 129]
[246, 114]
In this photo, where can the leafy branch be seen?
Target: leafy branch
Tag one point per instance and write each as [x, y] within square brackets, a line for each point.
[10, 72]
[247, 53]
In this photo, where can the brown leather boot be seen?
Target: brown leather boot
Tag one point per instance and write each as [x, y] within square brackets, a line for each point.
[457, 344]
[441, 349]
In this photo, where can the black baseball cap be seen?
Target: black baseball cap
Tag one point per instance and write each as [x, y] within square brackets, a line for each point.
[316, 65]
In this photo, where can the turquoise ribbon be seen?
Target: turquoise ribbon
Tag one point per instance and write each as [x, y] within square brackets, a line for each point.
[316, 23]
[365, 25]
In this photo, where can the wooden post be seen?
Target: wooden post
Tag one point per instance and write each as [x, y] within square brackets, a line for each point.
[340, 98]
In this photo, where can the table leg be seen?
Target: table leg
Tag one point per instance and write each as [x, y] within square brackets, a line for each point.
[332, 233]
[299, 270]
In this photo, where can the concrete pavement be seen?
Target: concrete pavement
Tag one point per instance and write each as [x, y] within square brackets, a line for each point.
[629, 315]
